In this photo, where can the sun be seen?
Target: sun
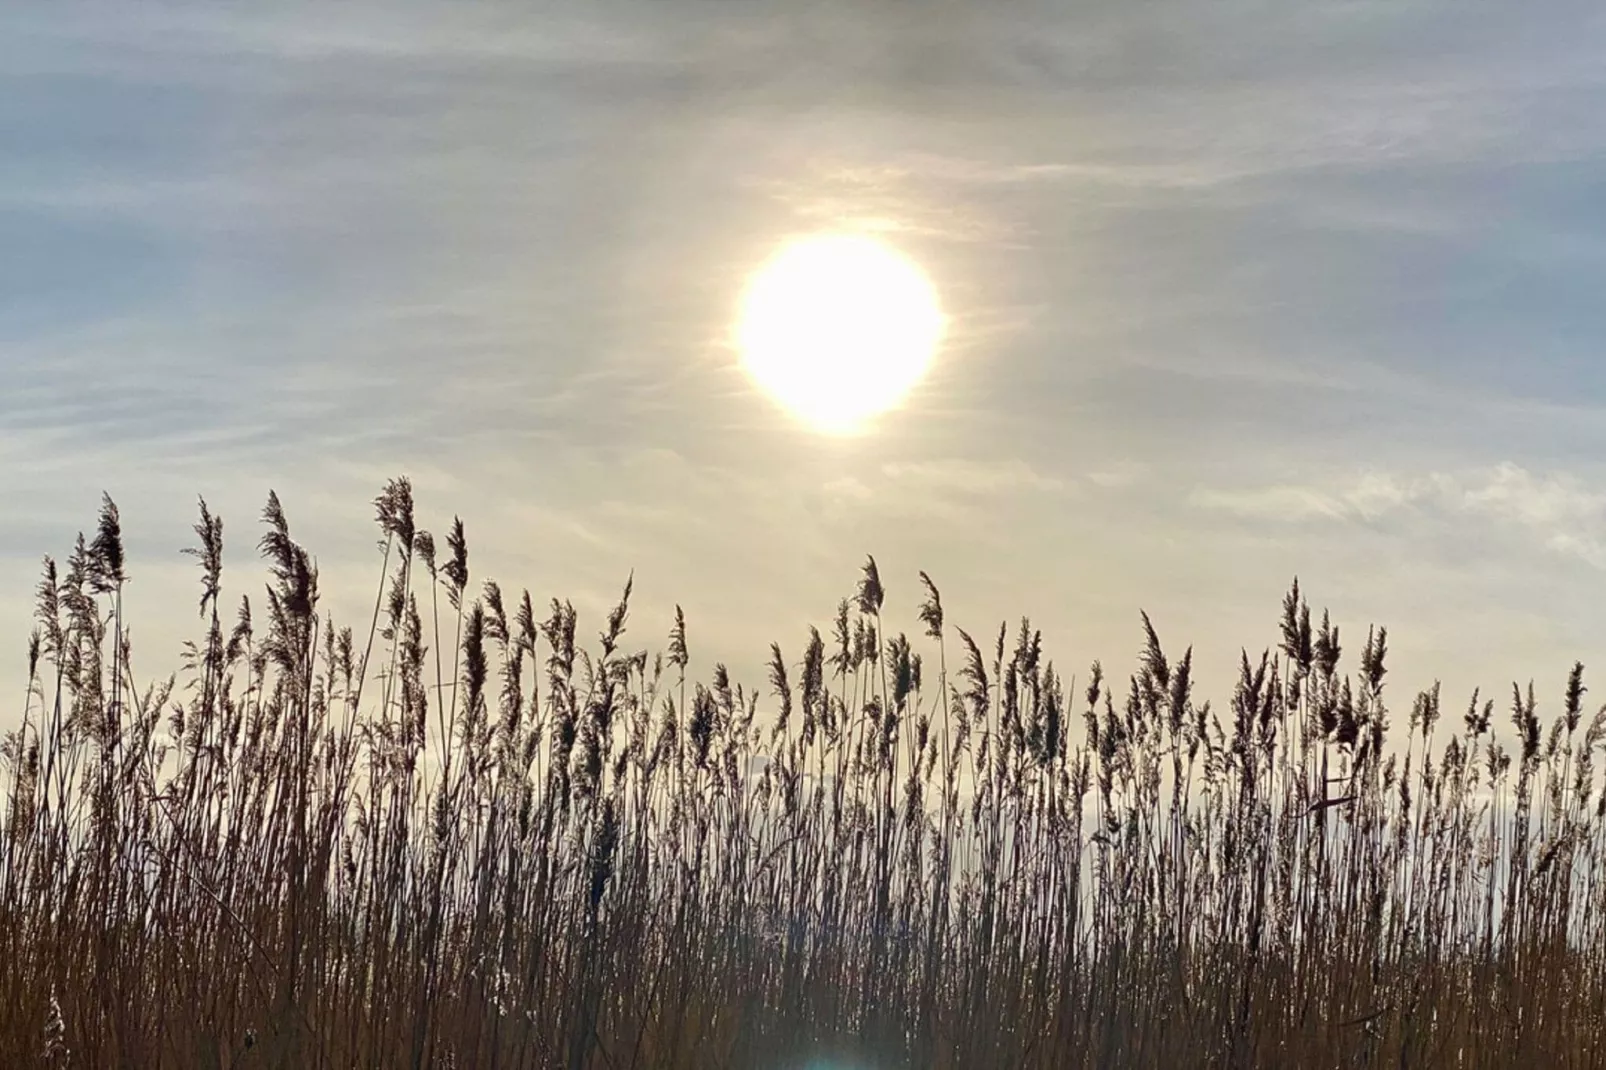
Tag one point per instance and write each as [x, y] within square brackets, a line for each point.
[838, 328]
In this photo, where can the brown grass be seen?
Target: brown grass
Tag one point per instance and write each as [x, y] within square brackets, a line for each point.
[514, 850]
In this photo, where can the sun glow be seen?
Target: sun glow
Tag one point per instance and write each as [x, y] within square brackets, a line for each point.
[838, 328]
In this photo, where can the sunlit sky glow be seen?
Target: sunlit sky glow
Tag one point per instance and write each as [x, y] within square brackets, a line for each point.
[1231, 291]
[838, 328]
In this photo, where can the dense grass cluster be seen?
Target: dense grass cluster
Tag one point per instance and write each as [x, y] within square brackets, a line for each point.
[462, 836]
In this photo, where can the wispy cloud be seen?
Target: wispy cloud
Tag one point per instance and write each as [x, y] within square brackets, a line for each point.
[1119, 474]
[1561, 511]
[970, 477]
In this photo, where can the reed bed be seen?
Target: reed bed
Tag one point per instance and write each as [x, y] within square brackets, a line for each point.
[465, 836]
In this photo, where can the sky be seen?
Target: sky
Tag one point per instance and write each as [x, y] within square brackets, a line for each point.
[1235, 291]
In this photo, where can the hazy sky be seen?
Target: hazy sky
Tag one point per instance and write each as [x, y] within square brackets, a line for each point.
[1237, 290]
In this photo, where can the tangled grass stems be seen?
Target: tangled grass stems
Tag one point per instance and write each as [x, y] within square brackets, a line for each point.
[596, 860]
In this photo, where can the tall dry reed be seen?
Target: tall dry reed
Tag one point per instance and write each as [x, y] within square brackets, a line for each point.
[318, 848]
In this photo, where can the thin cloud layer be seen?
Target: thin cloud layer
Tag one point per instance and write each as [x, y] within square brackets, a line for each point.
[1196, 259]
[1560, 511]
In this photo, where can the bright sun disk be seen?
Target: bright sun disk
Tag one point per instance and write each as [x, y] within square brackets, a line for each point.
[838, 328]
